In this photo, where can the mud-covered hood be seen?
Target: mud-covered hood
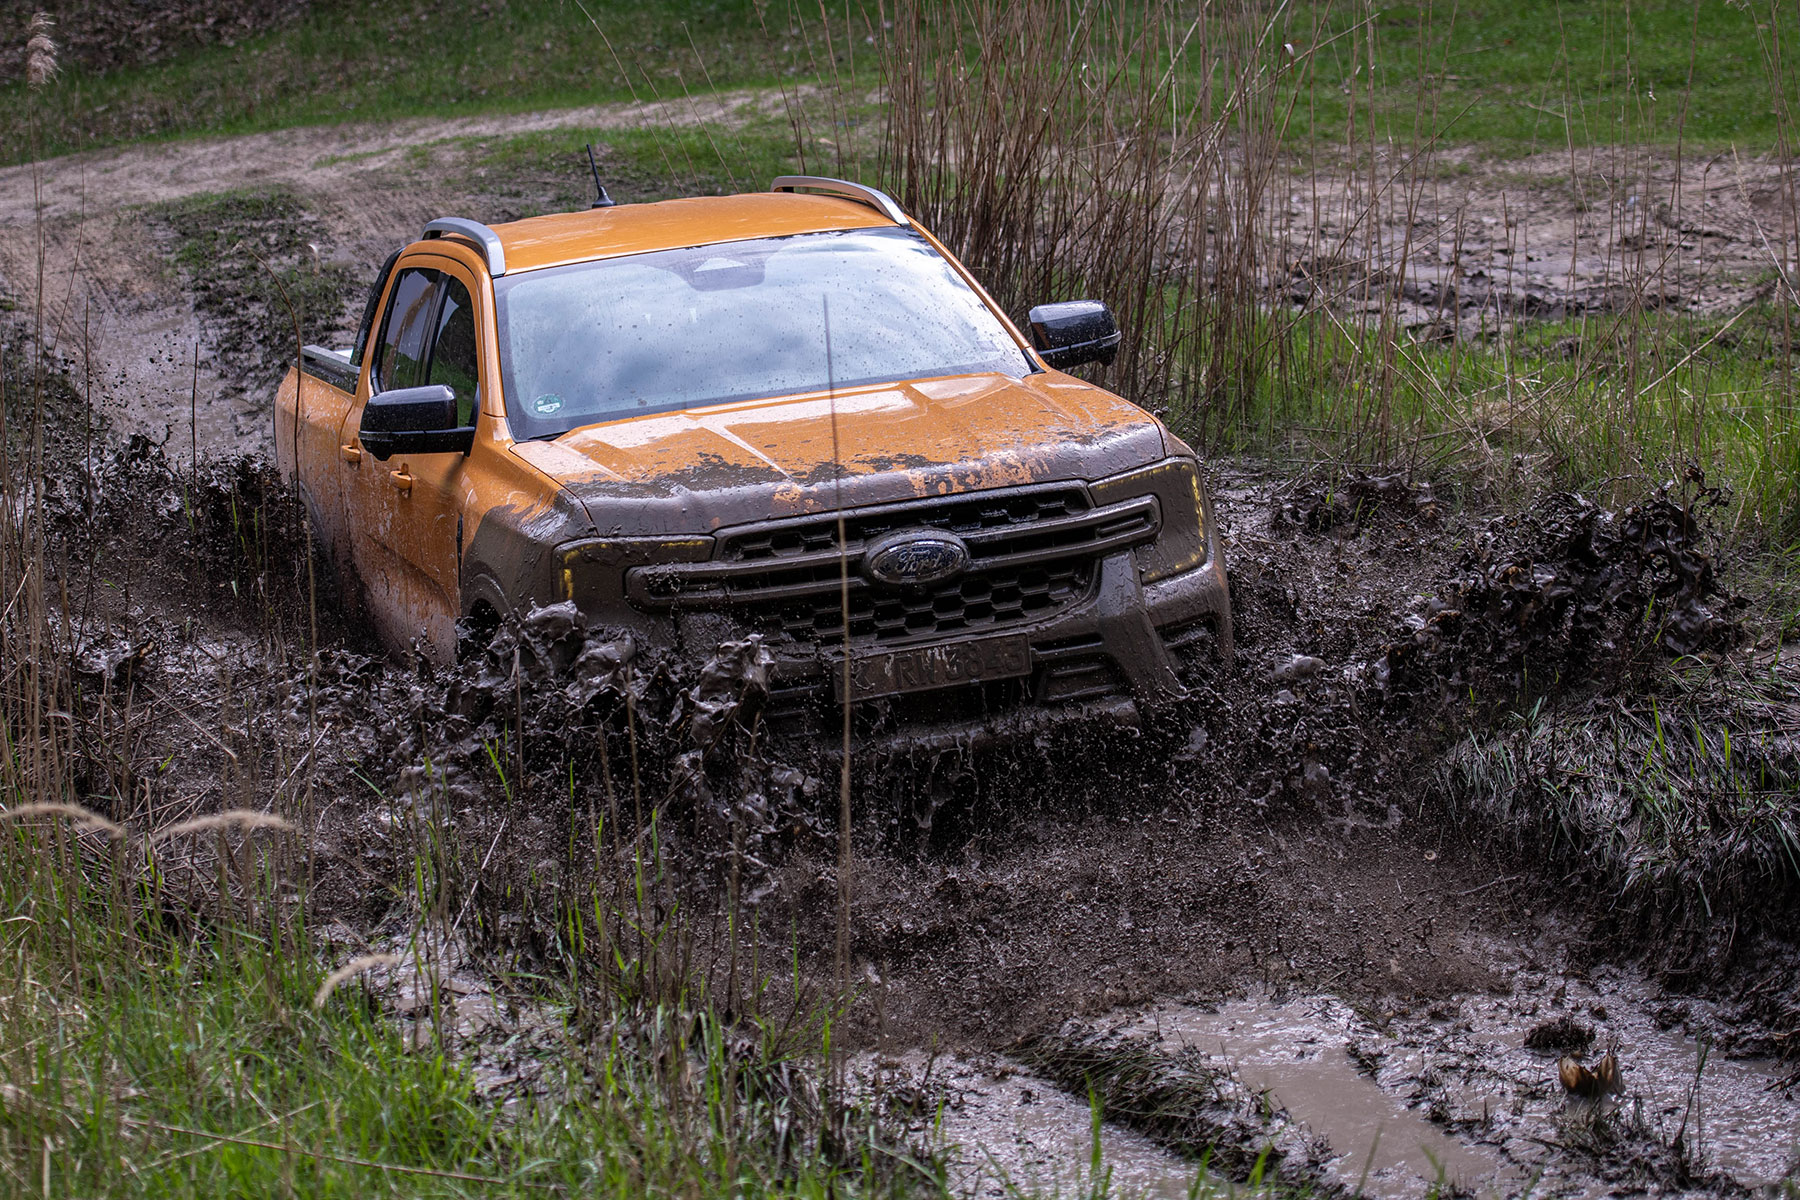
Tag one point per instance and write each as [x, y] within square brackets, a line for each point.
[697, 471]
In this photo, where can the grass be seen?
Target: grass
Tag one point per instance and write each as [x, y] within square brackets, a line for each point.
[355, 60]
[637, 165]
[247, 257]
[1543, 74]
[1678, 803]
[1512, 78]
[144, 1056]
[1551, 402]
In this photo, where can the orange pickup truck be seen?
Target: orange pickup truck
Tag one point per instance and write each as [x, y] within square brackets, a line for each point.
[695, 419]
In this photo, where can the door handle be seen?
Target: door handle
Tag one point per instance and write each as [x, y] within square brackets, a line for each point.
[401, 479]
[350, 453]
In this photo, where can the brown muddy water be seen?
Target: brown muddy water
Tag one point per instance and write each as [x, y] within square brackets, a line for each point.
[1451, 1097]
[1461, 1095]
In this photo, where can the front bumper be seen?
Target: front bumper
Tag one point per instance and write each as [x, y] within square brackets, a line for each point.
[1125, 646]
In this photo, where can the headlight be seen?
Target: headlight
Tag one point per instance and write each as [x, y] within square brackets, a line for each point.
[1181, 544]
[595, 570]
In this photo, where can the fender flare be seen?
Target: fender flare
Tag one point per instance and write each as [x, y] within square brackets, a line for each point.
[479, 586]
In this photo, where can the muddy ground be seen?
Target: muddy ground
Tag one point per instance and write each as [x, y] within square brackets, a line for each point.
[1181, 921]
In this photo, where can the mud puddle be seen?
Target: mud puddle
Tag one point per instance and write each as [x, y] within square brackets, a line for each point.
[1297, 1055]
[1464, 1094]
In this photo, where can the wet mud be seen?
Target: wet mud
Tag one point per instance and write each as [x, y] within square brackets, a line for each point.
[1464, 1094]
[1003, 1130]
[1332, 894]
[1454, 245]
[1274, 852]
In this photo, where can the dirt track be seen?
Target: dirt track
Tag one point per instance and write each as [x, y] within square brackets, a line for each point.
[1449, 241]
[1284, 846]
[109, 284]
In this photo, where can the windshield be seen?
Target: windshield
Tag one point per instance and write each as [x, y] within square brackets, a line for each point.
[597, 341]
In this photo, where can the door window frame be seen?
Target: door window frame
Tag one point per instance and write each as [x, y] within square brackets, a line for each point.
[442, 268]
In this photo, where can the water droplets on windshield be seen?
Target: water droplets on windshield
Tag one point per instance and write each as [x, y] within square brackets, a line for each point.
[683, 328]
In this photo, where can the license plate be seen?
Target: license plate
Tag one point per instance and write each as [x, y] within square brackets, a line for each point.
[946, 664]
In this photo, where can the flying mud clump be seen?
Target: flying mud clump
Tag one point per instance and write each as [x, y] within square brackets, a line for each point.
[1571, 591]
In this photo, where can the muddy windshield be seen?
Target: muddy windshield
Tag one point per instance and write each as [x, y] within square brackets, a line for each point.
[675, 329]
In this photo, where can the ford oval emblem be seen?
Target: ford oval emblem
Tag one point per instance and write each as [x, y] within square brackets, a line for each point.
[913, 557]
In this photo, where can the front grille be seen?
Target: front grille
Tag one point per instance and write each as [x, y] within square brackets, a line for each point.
[977, 512]
[975, 603]
[1033, 552]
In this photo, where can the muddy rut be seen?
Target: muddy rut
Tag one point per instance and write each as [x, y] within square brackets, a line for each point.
[1258, 925]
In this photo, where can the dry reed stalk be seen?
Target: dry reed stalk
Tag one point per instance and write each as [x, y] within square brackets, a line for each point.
[1063, 152]
[40, 51]
[350, 970]
[240, 819]
[83, 818]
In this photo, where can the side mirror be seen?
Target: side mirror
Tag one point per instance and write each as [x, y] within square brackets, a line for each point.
[1074, 332]
[419, 420]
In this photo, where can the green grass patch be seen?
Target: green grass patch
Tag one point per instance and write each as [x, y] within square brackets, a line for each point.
[1534, 75]
[1542, 74]
[1607, 402]
[1679, 805]
[356, 60]
[549, 171]
[157, 1041]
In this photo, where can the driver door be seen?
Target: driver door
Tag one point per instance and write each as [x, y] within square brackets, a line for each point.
[406, 513]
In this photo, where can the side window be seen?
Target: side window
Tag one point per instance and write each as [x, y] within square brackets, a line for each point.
[404, 331]
[453, 354]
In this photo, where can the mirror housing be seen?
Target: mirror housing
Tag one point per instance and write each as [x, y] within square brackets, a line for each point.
[419, 420]
[1074, 332]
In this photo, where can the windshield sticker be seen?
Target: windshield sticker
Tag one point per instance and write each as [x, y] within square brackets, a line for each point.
[548, 405]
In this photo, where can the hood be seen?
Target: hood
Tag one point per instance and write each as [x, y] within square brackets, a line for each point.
[700, 470]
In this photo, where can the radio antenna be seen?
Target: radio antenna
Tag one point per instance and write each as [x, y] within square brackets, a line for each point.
[603, 200]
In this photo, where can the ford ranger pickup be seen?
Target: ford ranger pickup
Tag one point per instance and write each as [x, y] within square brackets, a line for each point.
[791, 414]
